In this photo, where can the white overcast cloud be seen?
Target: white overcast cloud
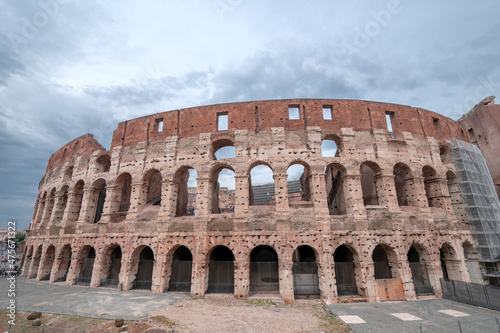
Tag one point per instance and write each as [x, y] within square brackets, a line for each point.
[69, 67]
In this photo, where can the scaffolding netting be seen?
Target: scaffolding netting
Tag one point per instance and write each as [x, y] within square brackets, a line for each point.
[480, 199]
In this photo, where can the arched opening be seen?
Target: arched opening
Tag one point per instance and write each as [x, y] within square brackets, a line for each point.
[264, 271]
[99, 197]
[153, 184]
[48, 261]
[298, 183]
[222, 194]
[432, 187]
[381, 263]
[27, 260]
[345, 272]
[261, 189]
[111, 267]
[41, 207]
[36, 263]
[49, 206]
[369, 173]
[124, 183]
[144, 277]
[334, 180]
[223, 148]
[121, 197]
[103, 164]
[402, 179]
[61, 207]
[330, 146]
[449, 263]
[68, 175]
[86, 266]
[305, 273]
[419, 273]
[445, 154]
[64, 263]
[180, 276]
[186, 185]
[221, 271]
[76, 206]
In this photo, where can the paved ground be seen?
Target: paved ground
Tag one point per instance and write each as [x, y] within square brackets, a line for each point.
[434, 315]
[84, 301]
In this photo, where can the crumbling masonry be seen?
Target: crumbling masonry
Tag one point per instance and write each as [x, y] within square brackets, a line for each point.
[381, 218]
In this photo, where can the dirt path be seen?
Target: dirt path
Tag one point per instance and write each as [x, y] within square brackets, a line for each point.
[227, 314]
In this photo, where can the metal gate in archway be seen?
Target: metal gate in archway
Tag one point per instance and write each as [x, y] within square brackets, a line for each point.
[86, 272]
[180, 278]
[221, 277]
[144, 278]
[264, 276]
[305, 279]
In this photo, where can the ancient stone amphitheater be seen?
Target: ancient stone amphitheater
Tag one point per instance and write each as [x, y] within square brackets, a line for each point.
[378, 214]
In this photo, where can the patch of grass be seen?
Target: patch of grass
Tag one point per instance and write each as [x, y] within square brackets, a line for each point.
[195, 298]
[262, 302]
[330, 323]
[163, 321]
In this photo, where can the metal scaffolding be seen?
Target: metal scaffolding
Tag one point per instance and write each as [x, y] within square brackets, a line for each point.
[480, 200]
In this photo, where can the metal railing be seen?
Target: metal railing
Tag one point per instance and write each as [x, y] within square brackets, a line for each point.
[471, 293]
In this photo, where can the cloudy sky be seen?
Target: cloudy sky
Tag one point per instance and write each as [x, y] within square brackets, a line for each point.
[70, 67]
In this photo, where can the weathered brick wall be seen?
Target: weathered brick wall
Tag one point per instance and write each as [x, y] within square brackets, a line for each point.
[261, 133]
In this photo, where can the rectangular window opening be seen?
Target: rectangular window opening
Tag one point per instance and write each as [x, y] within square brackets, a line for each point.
[222, 121]
[327, 112]
[436, 122]
[293, 112]
[159, 124]
[389, 116]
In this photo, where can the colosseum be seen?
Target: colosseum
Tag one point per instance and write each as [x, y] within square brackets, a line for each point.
[343, 200]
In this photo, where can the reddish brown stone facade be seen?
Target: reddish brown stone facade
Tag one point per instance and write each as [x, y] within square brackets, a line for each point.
[482, 124]
[384, 211]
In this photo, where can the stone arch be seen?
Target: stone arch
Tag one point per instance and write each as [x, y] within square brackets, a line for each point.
[27, 259]
[450, 264]
[298, 181]
[152, 184]
[85, 265]
[417, 259]
[347, 271]
[111, 266]
[334, 182]
[35, 263]
[103, 163]
[432, 187]
[222, 148]
[220, 270]
[185, 196]
[331, 146]
[76, 205]
[370, 176]
[384, 262]
[222, 197]
[121, 194]
[47, 262]
[61, 206]
[98, 197]
[264, 269]
[445, 153]
[64, 260]
[68, 174]
[180, 274]
[143, 260]
[305, 272]
[472, 263]
[403, 178]
[49, 207]
[261, 184]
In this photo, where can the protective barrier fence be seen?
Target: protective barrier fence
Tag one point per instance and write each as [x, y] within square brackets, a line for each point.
[472, 293]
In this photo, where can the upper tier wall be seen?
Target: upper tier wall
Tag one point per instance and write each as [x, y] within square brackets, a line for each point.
[264, 115]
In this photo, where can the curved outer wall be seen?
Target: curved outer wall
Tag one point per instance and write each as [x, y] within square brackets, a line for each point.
[64, 221]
